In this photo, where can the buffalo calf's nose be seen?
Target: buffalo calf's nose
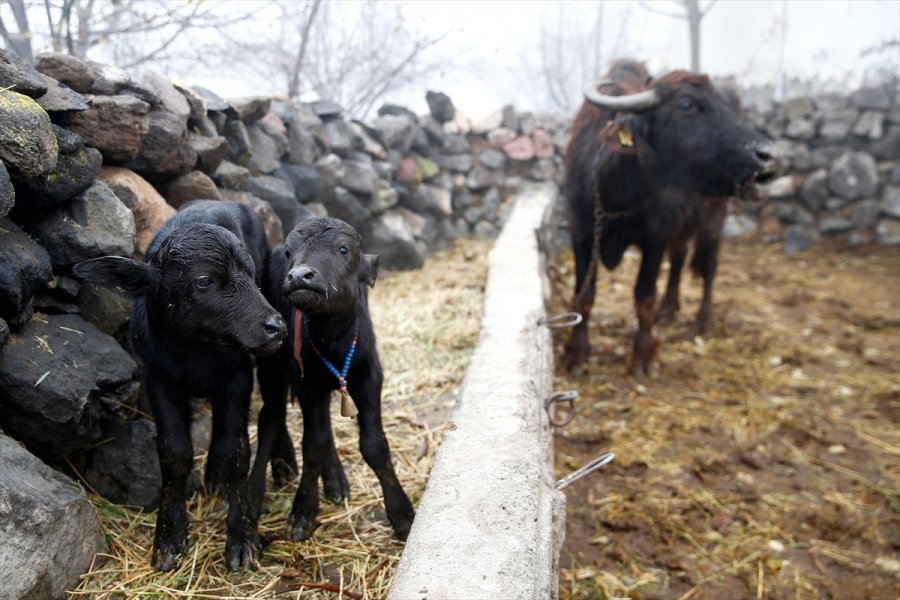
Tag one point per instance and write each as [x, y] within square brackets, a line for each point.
[275, 327]
[301, 273]
[764, 152]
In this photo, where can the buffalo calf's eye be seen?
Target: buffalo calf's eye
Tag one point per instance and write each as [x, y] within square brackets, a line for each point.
[344, 250]
[686, 104]
[204, 282]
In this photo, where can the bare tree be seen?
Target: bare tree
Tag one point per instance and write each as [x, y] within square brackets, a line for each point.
[693, 14]
[351, 53]
[18, 41]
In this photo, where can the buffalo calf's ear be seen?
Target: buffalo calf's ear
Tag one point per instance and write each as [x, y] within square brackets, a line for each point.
[130, 278]
[368, 269]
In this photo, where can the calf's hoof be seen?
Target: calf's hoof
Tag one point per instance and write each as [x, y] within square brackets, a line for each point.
[401, 529]
[167, 554]
[337, 489]
[242, 552]
[283, 473]
[299, 528]
[666, 314]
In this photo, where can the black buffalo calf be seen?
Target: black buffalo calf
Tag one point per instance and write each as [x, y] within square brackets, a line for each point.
[198, 314]
[322, 278]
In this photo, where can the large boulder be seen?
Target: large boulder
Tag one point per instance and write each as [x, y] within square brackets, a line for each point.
[854, 175]
[18, 75]
[440, 106]
[230, 176]
[397, 132]
[27, 142]
[24, 269]
[7, 192]
[115, 125]
[75, 170]
[210, 151]
[166, 151]
[392, 238]
[96, 223]
[305, 180]
[337, 137]
[67, 69]
[49, 531]
[56, 372]
[359, 177]
[195, 185]
[265, 150]
[150, 210]
[280, 195]
[166, 96]
[61, 98]
[108, 80]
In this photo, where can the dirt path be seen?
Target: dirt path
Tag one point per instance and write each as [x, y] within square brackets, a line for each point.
[762, 462]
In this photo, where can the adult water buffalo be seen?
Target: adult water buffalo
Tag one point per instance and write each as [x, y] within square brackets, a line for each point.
[644, 155]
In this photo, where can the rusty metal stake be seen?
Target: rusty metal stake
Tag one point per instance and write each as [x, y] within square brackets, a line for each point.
[596, 464]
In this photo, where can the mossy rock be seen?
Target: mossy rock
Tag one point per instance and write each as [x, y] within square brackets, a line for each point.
[27, 143]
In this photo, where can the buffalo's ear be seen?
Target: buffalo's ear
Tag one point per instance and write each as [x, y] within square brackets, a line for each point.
[130, 278]
[368, 269]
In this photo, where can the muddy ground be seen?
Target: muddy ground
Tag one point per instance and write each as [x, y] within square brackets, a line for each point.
[762, 461]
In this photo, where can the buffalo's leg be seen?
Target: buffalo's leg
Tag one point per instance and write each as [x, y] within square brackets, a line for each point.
[315, 448]
[171, 410]
[670, 304]
[229, 453]
[578, 348]
[705, 261]
[645, 344]
[334, 480]
[375, 451]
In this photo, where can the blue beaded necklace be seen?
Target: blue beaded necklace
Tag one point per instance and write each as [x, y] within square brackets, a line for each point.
[342, 374]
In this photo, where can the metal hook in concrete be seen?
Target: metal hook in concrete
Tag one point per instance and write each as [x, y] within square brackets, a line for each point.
[557, 398]
[596, 464]
[560, 321]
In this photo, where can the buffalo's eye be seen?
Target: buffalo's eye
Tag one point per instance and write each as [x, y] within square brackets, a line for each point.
[344, 250]
[204, 282]
[686, 104]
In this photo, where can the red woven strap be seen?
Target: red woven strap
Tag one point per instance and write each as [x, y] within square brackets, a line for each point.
[298, 339]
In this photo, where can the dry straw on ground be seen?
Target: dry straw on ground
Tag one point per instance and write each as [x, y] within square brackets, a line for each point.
[427, 324]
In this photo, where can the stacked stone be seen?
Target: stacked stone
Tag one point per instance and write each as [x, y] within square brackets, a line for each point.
[841, 181]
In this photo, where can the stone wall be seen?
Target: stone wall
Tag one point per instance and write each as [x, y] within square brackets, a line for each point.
[841, 182]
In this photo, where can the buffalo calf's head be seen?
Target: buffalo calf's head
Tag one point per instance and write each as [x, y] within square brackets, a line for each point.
[326, 270]
[198, 285]
[689, 136]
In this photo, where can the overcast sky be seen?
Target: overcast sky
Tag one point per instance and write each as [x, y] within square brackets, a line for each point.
[492, 39]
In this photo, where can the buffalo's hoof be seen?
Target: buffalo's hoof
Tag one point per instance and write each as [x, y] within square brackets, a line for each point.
[167, 555]
[666, 314]
[283, 473]
[242, 553]
[299, 528]
[401, 529]
[337, 489]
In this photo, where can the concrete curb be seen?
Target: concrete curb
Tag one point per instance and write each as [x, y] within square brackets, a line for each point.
[491, 524]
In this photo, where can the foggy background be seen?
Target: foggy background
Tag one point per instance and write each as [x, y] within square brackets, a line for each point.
[535, 55]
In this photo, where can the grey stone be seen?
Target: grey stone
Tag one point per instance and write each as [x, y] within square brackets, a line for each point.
[488, 123]
[18, 75]
[231, 176]
[54, 375]
[238, 142]
[455, 163]
[890, 202]
[865, 214]
[305, 180]
[280, 194]
[490, 203]
[61, 98]
[214, 102]
[803, 128]
[835, 225]
[440, 106]
[104, 309]
[265, 152]
[24, 269]
[888, 147]
[393, 240]
[115, 125]
[125, 468]
[331, 171]
[27, 142]
[794, 155]
[795, 240]
[853, 175]
[527, 123]
[366, 141]
[384, 197]
[462, 200]
[96, 223]
[338, 137]
[196, 102]
[49, 531]
[166, 151]
[797, 107]
[67, 69]
[887, 232]
[739, 225]
[326, 110]
[792, 213]
[814, 191]
[836, 124]
[500, 136]
[483, 230]
[433, 130]
[877, 98]
[170, 99]
[251, 109]
[456, 144]
[492, 159]
[395, 110]
[543, 169]
[396, 132]
[870, 125]
[821, 157]
[480, 178]
[510, 118]
[210, 151]
[108, 80]
[149, 208]
[359, 178]
[785, 186]
[7, 192]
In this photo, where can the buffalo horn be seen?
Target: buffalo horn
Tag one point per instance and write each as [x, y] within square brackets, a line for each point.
[629, 103]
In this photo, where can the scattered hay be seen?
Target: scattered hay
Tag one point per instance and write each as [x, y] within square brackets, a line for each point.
[427, 323]
[763, 461]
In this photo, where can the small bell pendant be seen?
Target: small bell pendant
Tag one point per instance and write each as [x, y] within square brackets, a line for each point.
[348, 407]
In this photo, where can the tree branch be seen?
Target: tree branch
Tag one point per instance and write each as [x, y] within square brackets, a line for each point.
[646, 6]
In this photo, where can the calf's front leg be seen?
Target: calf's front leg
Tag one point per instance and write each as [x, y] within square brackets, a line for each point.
[315, 449]
[645, 344]
[171, 410]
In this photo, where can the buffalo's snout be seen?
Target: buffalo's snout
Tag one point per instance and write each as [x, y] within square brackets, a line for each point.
[300, 275]
[274, 330]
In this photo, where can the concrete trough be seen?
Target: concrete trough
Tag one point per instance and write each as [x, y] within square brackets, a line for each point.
[490, 523]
